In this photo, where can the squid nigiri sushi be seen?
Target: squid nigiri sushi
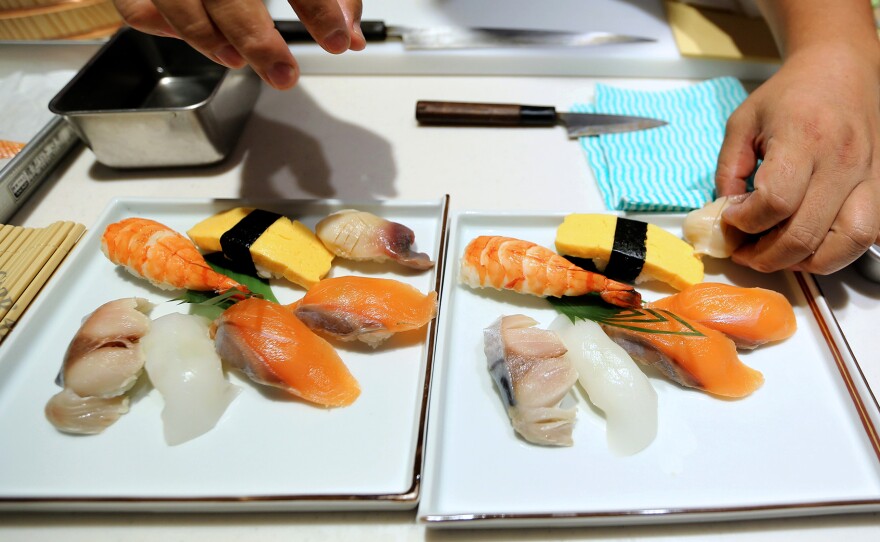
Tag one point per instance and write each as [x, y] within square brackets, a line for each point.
[613, 382]
[102, 363]
[749, 316]
[155, 252]
[273, 347]
[362, 236]
[185, 369]
[364, 308]
[532, 374]
[686, 352]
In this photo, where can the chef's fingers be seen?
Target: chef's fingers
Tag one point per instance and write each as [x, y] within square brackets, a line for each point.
[193, 24]
[142, 15]
[737, 158]
[326, 22]
[254, 39]
[855, 229]
[352, 9]
[780, 185]
[795, 238]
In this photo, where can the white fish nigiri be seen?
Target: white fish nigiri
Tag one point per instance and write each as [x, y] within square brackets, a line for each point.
[362, 236]
[708, 233]
[532, 375]
[102, 363]
[613, 382]
[185, 369]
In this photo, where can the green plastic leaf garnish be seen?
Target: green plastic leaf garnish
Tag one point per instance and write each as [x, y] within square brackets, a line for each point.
[591, 307]
[210, 304]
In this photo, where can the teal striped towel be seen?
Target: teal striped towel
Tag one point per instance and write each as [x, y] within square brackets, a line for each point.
[671, 168]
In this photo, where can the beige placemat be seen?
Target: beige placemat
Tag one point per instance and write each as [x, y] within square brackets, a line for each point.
[28, 257]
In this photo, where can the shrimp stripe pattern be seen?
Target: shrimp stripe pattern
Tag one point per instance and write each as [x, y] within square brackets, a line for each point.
[167, 259]
[505, 263]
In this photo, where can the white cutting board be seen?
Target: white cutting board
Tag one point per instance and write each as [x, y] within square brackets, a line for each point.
[637, 17]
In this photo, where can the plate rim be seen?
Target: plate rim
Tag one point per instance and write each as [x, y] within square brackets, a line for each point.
[867, 410]
[405, 499]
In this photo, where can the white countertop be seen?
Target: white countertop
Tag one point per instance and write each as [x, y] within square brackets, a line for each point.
[355, 138]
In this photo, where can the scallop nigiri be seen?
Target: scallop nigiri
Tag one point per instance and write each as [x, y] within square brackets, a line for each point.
[102, 363]
[186, 370]
[273, 347]
[365, 308]
[363, 236]
[709, 234]
[686, 352]
[153, 251]
[532, 374]
[749, 316]
[613, 382]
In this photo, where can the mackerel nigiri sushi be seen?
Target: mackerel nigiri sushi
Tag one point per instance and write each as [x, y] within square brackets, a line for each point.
[749, 316]
[532, 375]
[685, 351]
[273, 347]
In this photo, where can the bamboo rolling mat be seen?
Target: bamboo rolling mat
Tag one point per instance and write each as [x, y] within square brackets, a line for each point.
[28, 257]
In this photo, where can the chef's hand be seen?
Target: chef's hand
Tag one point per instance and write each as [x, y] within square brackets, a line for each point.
[816, 126]
[239, 32]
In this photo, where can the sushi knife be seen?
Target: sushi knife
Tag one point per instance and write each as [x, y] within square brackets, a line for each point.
[489, 114]
[466, 38]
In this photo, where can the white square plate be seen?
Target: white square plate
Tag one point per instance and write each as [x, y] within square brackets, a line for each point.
[269, 451]
[803, 443]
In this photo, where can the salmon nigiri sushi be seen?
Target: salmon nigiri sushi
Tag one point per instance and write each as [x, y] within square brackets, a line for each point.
[685, 351]
[272, 347]
[365, 308]
[153, 251]
[749, 316]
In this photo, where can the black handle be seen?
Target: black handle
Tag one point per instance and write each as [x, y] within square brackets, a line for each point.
[295, 31]
[484, 114]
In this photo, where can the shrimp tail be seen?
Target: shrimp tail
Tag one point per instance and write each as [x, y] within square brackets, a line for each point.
[623, 297]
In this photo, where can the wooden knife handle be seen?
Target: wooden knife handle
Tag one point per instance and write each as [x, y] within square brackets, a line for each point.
[295, 31]
[484, 114]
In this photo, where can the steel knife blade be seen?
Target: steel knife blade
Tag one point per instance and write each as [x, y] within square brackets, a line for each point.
[492, 114]
[467, 38]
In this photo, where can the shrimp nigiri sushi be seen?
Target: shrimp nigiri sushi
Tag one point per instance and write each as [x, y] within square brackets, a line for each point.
[613, 382]
[505, 263]
[155, 252]
[532, 374]
[365, 308]
[273, 347]
[102, 363]
[186, 370]
[686, 352]
[749, 316]
[362, 236]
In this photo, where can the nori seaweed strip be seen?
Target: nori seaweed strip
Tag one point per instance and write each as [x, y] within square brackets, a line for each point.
[628, 251]
[236, 242]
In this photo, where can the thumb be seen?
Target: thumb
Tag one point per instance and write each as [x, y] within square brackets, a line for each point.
[737, 158]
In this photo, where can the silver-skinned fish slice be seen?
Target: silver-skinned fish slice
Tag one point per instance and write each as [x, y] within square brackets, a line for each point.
[533, 376]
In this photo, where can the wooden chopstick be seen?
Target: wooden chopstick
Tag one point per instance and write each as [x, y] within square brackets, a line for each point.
[28, 257]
